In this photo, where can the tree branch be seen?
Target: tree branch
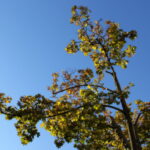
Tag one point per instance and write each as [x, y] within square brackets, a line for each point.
[74, 109]
[132, 135]
[109, 73]
[113, 107]
[77, 86]
[65, 112]
[136, 121]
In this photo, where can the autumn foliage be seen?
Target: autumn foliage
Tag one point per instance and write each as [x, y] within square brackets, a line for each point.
[84, 110]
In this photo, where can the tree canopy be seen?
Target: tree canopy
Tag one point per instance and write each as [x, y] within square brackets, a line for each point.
[83, 109]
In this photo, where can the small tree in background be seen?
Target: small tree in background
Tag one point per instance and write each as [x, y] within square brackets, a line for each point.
[80, 112]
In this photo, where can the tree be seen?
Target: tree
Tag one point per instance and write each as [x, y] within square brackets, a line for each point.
[83, 110]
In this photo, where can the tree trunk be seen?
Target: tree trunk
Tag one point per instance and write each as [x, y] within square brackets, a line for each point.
[131, 130]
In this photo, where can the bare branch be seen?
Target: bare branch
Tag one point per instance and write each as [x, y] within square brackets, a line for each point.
[136, 120]
[113, 107]
[109, 73]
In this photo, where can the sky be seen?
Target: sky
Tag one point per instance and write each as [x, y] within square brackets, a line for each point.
[33, 35]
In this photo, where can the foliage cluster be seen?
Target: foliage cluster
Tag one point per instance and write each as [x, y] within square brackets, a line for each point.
[80, 111]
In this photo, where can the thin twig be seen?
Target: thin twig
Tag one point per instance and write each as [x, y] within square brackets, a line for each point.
[109, 73]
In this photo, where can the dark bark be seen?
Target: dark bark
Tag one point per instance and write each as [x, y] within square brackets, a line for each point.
[131, 130]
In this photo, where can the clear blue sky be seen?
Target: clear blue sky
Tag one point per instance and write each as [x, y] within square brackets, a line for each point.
[33, 35]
